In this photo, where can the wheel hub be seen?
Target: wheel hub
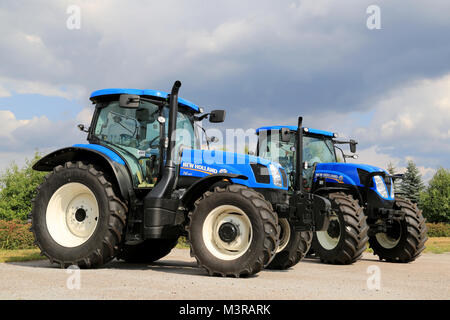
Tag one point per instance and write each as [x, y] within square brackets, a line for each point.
[334, 229]
[228, 232]
[72, 214]
[80, 214]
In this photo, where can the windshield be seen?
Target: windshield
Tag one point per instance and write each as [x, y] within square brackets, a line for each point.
[316, 149]
[135, 134]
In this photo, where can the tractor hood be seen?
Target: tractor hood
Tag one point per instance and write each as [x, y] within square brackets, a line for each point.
[347, 173]
[261, 173]
[353, 174]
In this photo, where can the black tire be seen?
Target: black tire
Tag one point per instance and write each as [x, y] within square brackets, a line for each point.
[261, 217]
[295, 250]
[352, 228]
[147, 251]
[103, 245]
[412, 235]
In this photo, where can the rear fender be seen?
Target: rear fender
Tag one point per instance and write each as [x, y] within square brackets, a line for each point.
[111, 164]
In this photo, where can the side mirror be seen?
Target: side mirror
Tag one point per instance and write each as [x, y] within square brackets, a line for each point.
[285, 135]
[83, 128]
[129, 101]
[217, 116]
[353, 144]
[213, 139]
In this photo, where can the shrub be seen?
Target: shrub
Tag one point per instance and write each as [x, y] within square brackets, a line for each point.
[438, 229]
[15, 235]
[17, 188]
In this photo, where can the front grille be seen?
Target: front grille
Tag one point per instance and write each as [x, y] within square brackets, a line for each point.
[388, 182]
[363, 174]
[261, 173]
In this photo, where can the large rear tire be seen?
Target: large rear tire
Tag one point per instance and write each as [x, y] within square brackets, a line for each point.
[405, 240]
[346, 237]
[233, 231]
[76, 218]
[147, 251]
[293, 246]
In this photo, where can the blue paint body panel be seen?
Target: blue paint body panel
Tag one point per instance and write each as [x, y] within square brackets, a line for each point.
[139, 92]
[294, 128]
[201, 163]
[346, 173]
[109, 153]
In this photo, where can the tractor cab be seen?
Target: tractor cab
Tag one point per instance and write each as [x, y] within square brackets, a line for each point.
[277, 143]
[133, 123]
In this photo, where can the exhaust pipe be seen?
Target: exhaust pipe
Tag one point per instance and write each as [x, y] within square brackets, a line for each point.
[299, 156]
[169, 175]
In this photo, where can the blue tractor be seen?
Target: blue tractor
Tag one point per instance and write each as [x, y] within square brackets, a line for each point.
[142, 182]
[364, 208]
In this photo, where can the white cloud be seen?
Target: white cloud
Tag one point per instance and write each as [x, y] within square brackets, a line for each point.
[25, 136]
[413, 121]
[69, 92]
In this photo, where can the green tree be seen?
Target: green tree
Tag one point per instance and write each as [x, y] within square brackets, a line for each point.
[412, 184]
[435, 200]
[18, 188]
[392, 170]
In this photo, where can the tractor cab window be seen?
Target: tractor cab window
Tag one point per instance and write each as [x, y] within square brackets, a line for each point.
[315, 150]
[272, 148]
[135, 135]
[318, 150]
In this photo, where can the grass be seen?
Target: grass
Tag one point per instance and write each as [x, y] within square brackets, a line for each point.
[20, 255]
[433, 245]
[438, 245]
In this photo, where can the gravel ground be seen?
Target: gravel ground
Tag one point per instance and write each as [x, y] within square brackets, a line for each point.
[177, 277]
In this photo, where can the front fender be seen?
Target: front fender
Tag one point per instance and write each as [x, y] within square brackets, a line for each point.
[110, 163]
[204, 184]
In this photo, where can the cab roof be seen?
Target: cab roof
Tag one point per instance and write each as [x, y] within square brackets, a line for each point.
[294, 128]
[147, 92]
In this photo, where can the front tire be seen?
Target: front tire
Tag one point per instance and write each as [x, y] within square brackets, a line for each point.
[346, 237]
[405, 240]
[292, 248]
[76, 218]
[233, 231]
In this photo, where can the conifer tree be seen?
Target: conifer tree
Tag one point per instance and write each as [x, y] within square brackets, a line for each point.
[412, 184]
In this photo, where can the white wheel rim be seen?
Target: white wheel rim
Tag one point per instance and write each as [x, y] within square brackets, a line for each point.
[326, 241]
[210, 231]
[72, 215]
[285, 234]
[386, 241]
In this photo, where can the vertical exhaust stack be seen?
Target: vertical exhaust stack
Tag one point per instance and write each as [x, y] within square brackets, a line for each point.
[299, 156]
[169, 175]
[160, 210]
[173, 112]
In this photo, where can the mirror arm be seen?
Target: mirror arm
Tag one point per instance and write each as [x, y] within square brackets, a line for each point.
[200, 118]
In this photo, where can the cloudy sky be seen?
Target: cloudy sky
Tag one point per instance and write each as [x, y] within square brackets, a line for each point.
[265, 62]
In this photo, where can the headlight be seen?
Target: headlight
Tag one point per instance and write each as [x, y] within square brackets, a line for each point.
[380, 186]
[276, 176]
